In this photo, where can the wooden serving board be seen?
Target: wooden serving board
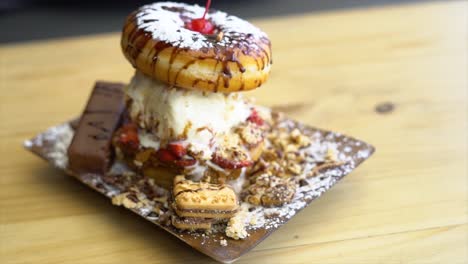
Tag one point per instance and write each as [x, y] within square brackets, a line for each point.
[331, 70]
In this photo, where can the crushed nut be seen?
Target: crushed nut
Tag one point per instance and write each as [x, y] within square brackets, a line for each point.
[270, 155]
[250, 134]
[219, 36]
[290, 147]
[331, 155]
[300, 139]
[269, 191]
[294, 168]
[123, 199]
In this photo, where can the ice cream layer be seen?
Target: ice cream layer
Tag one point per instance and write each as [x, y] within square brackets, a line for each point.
[174, 114]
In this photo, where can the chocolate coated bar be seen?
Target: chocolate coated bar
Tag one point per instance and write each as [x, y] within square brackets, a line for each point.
[90, 150]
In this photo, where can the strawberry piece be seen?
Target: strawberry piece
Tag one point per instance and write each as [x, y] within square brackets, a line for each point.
[177, 149]
[165, 156]
[230, 164]
[129, 136]
[185, 162]
[255, 118]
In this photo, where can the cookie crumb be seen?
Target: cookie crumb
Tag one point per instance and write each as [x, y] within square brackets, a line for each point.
[223, 242]
[123, 199]
[236, 228]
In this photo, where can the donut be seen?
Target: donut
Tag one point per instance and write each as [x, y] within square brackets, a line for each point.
[157, 42]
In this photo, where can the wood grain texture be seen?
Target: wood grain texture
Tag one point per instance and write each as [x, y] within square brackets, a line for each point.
[408, 204]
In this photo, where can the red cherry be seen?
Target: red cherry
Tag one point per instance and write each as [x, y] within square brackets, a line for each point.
[201, 24]
[177, 149]
[165, 156]
[255, 118]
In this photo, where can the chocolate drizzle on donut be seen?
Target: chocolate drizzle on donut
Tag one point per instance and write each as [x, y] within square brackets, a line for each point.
[157, 47]
[142, 28]
[174, 54]
[185, 67]
[175, 9]
[137, 39]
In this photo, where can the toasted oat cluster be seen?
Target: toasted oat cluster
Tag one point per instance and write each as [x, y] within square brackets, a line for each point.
[269, 190]
[272, 179]
[250, 134]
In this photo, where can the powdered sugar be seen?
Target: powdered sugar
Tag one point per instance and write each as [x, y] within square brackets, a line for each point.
[165, 22]
[56, 140]
[223, 242]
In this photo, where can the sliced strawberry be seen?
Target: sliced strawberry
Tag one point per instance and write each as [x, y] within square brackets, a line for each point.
[185, 162]
[255, 118]
[177, 149]
[165, 156]
[129, 136]
[230, 164]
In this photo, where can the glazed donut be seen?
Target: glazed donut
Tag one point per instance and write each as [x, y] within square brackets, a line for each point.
[236, 57]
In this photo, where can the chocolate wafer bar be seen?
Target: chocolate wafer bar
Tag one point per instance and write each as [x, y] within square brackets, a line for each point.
[90, 150]
[203, 200]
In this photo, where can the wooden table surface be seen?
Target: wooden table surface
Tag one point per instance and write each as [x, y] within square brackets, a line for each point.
[407, 204]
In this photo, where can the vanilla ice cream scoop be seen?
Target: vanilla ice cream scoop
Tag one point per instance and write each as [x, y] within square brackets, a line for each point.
[174, 114]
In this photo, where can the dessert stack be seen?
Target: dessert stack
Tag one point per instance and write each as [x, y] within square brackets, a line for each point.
[186, 115]
[180, 145]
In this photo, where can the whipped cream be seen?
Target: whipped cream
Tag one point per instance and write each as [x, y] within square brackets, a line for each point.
[174, 114]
